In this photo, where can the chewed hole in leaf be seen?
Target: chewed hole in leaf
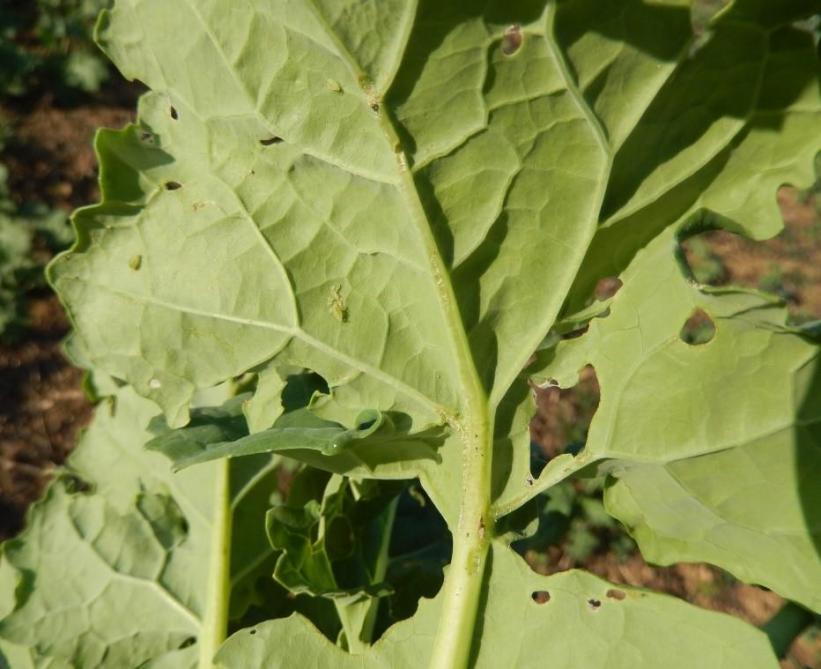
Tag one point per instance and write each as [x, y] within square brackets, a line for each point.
[512, 40]
[172, 185]
[702, 262]
[563, 419]
[783, 265]
[540, 596]
[270, 140]
[173, 112]
[594, 604]
[190, 641]
[698, 329]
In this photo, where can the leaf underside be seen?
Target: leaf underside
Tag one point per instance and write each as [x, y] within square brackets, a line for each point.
[400, 197]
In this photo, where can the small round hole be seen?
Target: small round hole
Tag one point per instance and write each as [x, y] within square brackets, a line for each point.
[172, 185]
[540, 596]
[698, 329]
[173, 112]
[594, 604]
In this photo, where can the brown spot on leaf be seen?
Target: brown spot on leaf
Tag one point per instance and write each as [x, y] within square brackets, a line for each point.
[512, 40]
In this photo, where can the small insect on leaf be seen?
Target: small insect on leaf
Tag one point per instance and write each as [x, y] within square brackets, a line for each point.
[512, 40]
[336, 305]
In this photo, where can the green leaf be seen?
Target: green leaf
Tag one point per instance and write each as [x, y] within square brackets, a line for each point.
[112, 569]
[374, 447]
[12, 656]
[324, 548]
[591, 624]
[711, 447]
[338, 550]
[404, 198]
[726, 157]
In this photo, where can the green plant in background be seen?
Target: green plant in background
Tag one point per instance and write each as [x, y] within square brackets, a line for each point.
[46, 45]
[572, 515]
[336, 236]
[22, 231]
[706, 266]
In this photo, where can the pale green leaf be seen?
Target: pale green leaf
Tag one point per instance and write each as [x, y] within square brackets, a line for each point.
[262, 410]
[712, 448]
[401, 197]
[112, 569]
[744, 143]
[590, 623]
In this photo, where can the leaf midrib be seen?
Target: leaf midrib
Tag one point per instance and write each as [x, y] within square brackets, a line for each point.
[471, 385]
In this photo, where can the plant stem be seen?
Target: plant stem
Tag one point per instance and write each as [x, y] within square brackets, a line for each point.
[466, 574]
[215, 624]
[381, 568]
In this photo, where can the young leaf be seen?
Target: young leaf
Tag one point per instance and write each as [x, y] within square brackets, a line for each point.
[374, 447]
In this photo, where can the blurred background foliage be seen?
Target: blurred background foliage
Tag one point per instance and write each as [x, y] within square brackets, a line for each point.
[47, 45]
